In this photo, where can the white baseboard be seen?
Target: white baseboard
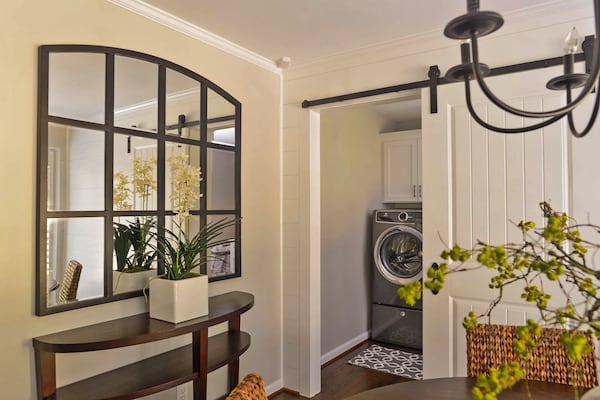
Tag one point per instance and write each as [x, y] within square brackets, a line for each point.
[275, 386]
[330, 355]
[278, 384]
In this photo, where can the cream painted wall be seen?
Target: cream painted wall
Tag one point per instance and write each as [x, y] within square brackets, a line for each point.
[28, 24]
[351, 188]
[524, 37]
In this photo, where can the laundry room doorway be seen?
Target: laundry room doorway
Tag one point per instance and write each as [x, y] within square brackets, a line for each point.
[351, 188]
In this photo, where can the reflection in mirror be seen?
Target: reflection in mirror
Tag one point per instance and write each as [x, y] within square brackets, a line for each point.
[135, 188]
[134, 173]
[221, 120]
[184, 230]
[76, 86]
[80, 240]
[105, 185]
[74, 180]
[220, 184]
[183, 106]
[221, 258]
[134, 256]
[178, 156]
[190, 225]
[136, 92]
[222, 135]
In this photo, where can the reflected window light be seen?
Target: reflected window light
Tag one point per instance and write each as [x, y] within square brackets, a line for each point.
[225, 136]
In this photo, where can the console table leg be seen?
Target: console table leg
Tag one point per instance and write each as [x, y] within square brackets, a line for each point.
[200, 349]
[45, 368]
[233, 368]
[235, 323]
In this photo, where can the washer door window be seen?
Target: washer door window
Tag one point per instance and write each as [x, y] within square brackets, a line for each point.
[398, 254]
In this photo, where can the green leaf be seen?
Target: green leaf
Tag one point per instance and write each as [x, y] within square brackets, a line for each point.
[411, 292]
[180, 253]
[470, 322]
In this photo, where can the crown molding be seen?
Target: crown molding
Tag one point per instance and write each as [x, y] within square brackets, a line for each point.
[171, 21]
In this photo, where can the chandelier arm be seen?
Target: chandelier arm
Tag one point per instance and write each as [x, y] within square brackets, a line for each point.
[499, 129]
[587, 129]
[589, 86]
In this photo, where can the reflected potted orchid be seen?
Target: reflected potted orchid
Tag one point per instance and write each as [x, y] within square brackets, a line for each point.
[134, 255]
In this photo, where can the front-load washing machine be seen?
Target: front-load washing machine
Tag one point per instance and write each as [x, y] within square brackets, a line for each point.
[397, 260]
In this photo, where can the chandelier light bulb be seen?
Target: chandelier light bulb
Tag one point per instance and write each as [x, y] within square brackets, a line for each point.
[572, 41]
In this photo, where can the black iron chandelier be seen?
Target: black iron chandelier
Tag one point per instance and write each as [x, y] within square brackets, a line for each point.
[468, 27]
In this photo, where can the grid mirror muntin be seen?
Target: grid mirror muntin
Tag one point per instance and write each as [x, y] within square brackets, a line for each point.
[166, 109]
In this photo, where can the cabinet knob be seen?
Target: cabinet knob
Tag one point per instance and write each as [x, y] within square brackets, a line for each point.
[414, 190]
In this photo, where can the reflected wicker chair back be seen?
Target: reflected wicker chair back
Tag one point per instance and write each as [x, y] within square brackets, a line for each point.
[252, 387]
[491, 345]
[68, 287]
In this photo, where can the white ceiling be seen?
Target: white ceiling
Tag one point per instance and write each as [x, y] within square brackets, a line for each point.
[308, 30]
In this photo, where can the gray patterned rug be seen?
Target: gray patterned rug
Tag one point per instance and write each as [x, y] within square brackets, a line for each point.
[397, 362]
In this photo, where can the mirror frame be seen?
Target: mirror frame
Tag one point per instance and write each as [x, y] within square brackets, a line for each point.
[110, 130]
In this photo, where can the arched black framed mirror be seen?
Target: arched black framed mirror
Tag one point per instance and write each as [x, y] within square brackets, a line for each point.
[110, 123]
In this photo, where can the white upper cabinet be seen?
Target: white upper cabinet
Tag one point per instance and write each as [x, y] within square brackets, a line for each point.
[402, 167]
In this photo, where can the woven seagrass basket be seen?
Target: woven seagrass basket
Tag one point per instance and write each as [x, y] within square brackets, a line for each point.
[490, 345]
[252, 387]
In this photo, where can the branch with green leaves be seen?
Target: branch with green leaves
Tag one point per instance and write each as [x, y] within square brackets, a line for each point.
[553, 256]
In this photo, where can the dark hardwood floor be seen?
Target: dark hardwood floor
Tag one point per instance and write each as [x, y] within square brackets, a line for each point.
[340, 380]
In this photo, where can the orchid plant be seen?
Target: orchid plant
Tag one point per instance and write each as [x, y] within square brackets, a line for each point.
[180, 252]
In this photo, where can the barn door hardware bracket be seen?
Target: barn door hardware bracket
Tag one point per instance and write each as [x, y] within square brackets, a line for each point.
[434, 75]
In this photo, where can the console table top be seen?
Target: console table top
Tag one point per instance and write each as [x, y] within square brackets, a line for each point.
[141, 328]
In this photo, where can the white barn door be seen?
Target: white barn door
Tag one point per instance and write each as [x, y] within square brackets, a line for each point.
[476, 186]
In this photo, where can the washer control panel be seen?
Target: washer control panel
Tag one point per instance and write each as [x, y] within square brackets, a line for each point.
[403, 216]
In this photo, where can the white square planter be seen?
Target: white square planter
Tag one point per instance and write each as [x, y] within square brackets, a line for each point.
[178, 301]
[134, 281]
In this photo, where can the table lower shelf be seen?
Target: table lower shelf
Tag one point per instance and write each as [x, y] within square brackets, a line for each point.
[156, 373]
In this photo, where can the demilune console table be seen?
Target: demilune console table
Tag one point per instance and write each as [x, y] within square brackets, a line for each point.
[188, 363]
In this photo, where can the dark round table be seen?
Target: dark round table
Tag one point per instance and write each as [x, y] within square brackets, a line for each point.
[460, 389]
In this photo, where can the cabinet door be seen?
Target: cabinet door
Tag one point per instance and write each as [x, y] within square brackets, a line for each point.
[401, 169]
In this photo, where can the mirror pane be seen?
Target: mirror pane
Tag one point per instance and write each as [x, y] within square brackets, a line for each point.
[75, 168]
[76, 86]
[73, 241]
[134, 179]
[221, 258]
[221, 119]
[136, 92]
[182, 106]
[185, 227]
[182, 177]
[134, 253]
[222, 135]
[220, 181]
